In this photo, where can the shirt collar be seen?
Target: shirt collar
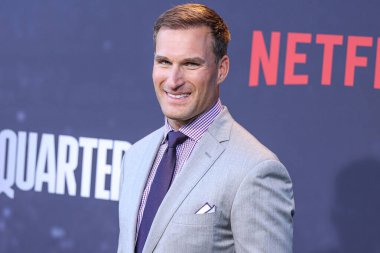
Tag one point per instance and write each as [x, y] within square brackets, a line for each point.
[196, 128]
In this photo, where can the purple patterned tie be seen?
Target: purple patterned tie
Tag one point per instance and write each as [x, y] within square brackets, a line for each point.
[159, 187]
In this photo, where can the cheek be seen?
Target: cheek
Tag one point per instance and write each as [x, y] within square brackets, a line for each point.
[158, 90]
[204, 87]
[207, 94]
[157, 75]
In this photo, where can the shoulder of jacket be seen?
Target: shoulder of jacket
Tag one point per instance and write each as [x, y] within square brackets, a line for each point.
[249, 146]
[141, 144]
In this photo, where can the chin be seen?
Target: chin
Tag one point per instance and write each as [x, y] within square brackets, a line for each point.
[174, 112]
[175, 115]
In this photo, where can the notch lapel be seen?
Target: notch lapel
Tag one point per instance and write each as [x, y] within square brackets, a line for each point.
[205, 153]
[134, 185]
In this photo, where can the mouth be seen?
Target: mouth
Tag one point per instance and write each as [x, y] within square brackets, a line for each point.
[177, 96]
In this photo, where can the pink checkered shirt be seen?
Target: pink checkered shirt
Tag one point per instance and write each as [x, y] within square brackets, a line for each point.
[194, 130]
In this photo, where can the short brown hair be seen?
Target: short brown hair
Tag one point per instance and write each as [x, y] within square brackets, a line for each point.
[186, 16]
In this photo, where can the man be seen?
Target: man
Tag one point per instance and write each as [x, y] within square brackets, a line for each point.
[201, 183]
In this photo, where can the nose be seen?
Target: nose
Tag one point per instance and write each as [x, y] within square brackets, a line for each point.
[175, 78]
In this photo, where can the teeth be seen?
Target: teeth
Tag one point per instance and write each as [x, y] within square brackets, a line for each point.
[178, 96]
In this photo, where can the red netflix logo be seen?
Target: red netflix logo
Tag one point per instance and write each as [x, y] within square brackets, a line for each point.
[269, 59]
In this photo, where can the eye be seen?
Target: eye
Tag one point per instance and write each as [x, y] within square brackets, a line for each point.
[163, 62]
[192, 64]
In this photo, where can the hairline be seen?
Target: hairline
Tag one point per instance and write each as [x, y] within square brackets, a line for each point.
[188, 27]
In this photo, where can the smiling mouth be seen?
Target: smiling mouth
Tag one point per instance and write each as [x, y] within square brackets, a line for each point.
[178, 96]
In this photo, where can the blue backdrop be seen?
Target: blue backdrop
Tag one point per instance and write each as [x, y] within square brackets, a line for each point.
[76, 89]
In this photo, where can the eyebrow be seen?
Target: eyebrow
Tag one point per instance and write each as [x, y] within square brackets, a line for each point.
[160, 58]
[195, 59]
[198, 60]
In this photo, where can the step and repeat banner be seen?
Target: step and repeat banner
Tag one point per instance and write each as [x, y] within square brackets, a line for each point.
[76, 92]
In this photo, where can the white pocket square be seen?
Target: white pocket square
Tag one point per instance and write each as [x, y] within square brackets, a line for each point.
[206, 208]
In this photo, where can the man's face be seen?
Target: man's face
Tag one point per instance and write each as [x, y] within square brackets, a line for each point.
[186, 76]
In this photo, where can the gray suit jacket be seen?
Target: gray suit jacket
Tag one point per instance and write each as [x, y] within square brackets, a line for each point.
[228, 168]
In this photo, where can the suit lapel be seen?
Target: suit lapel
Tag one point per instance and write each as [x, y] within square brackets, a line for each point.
[205, 153]
[135, 180]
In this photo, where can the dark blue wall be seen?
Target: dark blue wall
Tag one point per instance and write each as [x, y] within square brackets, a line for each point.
[83, 69]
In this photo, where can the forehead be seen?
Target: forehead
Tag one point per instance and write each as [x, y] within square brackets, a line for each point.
[191, 40]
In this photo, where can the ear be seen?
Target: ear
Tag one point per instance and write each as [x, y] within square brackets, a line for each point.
[223, 68]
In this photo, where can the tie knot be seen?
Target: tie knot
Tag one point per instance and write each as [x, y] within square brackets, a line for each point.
[175, 138]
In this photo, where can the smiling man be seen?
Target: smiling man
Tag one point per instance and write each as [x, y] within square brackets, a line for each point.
[187, 73]
[201, 183]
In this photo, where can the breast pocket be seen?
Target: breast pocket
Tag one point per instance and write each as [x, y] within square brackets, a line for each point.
[207, 219]
[190, 233]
